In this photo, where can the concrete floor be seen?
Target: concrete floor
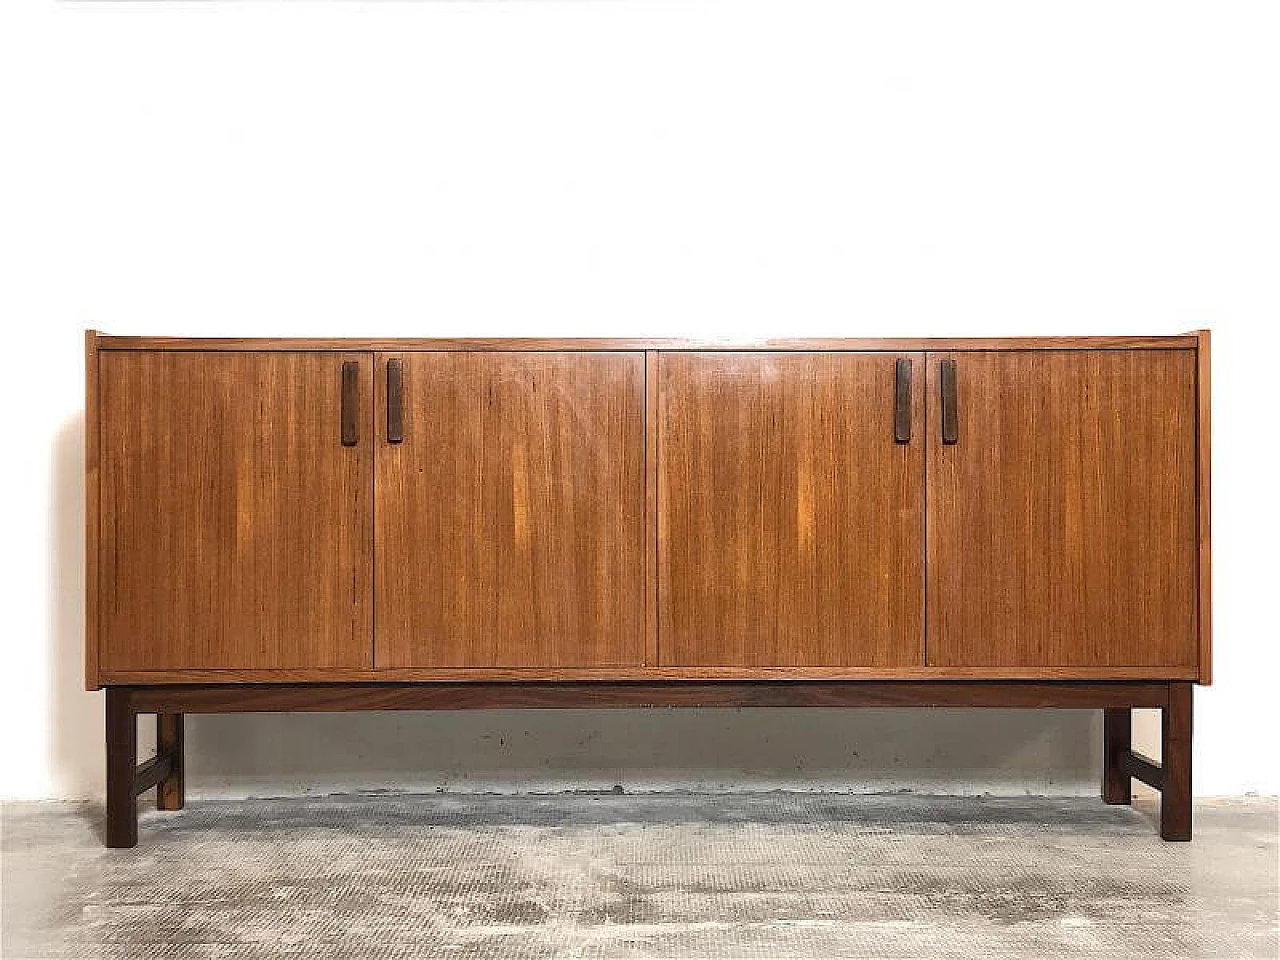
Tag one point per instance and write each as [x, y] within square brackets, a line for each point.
[771, 876]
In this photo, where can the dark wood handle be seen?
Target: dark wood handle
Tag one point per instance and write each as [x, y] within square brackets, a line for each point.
[350, 403]
[950, 429]
[395, 401]
[902, 402]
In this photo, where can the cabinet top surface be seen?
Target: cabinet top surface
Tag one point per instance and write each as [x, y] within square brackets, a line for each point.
[394, 344]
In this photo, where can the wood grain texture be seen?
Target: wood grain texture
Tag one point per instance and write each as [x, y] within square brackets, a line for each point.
[510, 521]
[1135, 661]
[1117, 741]
[502, 344]
[91, 512]
[638, 673]
[122, 768]
[1204, 445]
[230, 698]
[170, 742]
[790, 521]
[1175, 763]
[1062, 525]
[652, 375]
[236, 530]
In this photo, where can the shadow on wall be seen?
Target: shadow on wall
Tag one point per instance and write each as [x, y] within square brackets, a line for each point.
[76, 761]
[940, 751]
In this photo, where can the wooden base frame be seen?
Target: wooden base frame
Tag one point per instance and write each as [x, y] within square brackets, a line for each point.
[125, 779]
[1172, 777]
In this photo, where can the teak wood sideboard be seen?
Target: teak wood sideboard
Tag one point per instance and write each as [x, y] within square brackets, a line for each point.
[300, 524]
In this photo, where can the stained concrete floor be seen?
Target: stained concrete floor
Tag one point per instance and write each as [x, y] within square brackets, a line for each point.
[772, 876]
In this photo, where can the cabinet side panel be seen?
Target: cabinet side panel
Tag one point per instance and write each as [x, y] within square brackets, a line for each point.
[1203, 457]
[91, 537]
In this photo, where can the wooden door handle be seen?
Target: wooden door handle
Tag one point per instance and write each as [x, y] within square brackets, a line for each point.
[350, 403]
[902, 402]
[950, 428]
[395, 401]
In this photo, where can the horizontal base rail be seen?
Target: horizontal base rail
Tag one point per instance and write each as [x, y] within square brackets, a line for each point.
[1171, 776]
[272, 698]
[126, 779]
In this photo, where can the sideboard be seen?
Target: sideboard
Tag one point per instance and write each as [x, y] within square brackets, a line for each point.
[305, 524]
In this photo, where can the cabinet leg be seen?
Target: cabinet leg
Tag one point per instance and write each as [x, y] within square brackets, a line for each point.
[170, 792]
[1175, 797]
[1117, 740]
[122, 760]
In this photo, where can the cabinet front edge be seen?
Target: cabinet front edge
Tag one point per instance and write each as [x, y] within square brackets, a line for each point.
[873, 344]
[92, 677]
[671, 674]
[1204, 553]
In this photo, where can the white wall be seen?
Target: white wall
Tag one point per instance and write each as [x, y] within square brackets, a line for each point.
[725, 167]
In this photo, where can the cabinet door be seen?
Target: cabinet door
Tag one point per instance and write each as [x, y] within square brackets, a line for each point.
[1062, 519]
[236, 527]
[790, 514]
[510, 514]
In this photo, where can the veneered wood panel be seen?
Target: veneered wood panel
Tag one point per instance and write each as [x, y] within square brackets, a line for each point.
[226, 698]
[1204, 446]
[652, 376]
[510, 520]
[91, 512]
[639, 673]
[1062, 524]
[507, 344]
[790, 521]
[236, 530]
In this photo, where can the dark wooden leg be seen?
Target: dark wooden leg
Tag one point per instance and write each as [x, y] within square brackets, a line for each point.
[1117, 740]
[122, 761]
[1175, 797]
[170, 791]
